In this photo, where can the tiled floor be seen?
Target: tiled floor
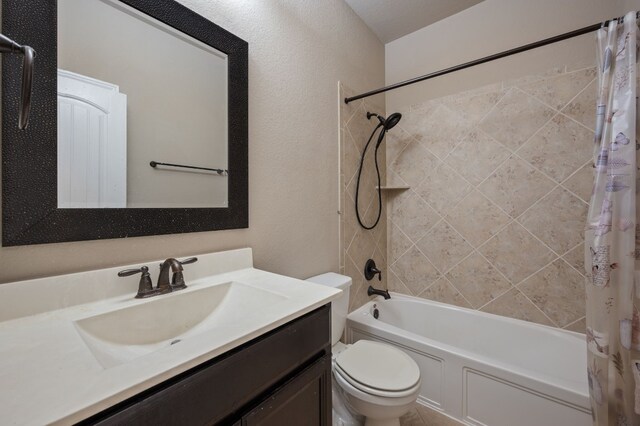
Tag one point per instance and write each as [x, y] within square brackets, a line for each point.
[423, 416]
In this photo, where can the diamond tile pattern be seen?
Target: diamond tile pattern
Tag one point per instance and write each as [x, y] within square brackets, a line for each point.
[357, 244]
[500, 179]
[516, 118]
[515, 186]
[559, 160]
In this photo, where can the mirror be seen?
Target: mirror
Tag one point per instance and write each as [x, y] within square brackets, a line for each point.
[139, 122]
[142, 111]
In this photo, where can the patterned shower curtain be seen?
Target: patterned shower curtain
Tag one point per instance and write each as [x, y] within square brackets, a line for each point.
[612, 249]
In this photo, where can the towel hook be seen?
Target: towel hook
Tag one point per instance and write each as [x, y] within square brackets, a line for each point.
[9, 46]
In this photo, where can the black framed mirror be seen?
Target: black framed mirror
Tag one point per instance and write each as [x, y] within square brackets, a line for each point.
[174, 161]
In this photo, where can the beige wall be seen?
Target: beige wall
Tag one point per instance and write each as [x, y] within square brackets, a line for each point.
[298, 51]
[176, 99]
[490, 27]
[357, 244]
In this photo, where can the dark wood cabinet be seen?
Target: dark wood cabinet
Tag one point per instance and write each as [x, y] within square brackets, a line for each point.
[280, 378]
[299, 402]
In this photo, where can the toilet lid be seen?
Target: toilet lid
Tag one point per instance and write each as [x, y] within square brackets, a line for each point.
[379, 366]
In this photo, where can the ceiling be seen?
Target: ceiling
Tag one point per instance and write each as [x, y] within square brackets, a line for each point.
[392, 19]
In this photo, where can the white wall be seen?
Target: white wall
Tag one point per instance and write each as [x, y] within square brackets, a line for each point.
[298, 50]
[491, 27]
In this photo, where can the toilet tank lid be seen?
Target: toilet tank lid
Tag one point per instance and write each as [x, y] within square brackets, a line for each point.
[331, 279]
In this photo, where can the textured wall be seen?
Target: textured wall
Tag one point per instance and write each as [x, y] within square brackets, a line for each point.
[298, 51]
[500, 180]
[357, 244]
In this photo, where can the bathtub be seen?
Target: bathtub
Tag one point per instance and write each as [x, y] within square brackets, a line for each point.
[484, 369]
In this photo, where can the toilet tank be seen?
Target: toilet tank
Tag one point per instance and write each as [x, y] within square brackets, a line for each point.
[340, 306]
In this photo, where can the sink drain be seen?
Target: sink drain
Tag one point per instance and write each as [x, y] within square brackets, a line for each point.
[174, 342]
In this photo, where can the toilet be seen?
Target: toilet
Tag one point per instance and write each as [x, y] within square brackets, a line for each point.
[376, 380]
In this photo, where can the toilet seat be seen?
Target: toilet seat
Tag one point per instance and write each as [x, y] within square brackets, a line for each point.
[378, 369]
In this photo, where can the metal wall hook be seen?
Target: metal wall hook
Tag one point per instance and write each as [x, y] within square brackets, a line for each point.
[9, 46]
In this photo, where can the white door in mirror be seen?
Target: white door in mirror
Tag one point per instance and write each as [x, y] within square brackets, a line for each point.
[92, 143]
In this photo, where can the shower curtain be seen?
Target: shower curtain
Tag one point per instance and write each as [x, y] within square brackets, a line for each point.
[612, 248]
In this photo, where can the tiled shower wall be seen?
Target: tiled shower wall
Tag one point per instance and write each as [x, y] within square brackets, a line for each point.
[357, 244]
[499, 178]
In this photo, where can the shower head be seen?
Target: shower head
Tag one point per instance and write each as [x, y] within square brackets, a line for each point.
[392, 120]
[387, 123]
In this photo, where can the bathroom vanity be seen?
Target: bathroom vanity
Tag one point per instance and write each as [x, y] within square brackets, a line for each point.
[282, 377]
[237, 346]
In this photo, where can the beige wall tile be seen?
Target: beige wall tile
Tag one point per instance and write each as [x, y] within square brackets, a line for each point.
[516, 118]
[476, 156]
[444, 247]
[350, 156]
[357, 244]
[575, 258]
[516, 253]
[395, 142]
[442, 131]
[414, 121]
[443, 291]
[558, 220]
[582, 107]
[398, 243]
[501, 154]
[477, 218]
[415, 217]
[477, 280]
[579, 326]
[581, 182]
[443, 187]
[558, 290]
[514, 304]
[415, 271]
[362, 247]
[515, 186]
[559, 148]
[474, 106]
[394, 284]
[413, 163]
[558, 91]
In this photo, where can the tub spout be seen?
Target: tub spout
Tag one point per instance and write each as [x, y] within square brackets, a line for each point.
[384, 293]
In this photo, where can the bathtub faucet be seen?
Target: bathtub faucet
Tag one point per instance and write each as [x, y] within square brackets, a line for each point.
[384, 293]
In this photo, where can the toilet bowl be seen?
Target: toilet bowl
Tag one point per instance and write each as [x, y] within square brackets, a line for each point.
[376, 380]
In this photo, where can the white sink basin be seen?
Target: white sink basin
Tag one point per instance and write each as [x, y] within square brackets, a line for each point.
[121, 335]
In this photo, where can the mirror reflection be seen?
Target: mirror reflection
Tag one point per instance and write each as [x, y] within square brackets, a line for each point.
[134, 93]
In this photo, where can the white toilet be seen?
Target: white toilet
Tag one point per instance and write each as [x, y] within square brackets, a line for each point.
[378, 381]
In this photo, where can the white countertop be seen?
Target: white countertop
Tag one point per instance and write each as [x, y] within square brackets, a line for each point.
[48, 373]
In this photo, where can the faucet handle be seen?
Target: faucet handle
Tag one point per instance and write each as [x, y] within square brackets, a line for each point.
[177, 280]
[145, 286]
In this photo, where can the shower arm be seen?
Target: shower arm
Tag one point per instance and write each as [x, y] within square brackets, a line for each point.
[9, 46]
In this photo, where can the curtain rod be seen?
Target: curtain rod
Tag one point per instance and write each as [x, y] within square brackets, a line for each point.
[546, 41]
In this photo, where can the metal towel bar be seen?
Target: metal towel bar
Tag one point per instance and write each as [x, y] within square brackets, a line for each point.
[218, 171]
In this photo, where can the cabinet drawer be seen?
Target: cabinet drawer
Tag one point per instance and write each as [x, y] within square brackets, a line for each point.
[220, 388]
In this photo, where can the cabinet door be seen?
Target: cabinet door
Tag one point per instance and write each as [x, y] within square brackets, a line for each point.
[304, 400]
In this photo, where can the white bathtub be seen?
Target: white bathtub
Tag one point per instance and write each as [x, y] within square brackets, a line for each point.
[484, 369]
